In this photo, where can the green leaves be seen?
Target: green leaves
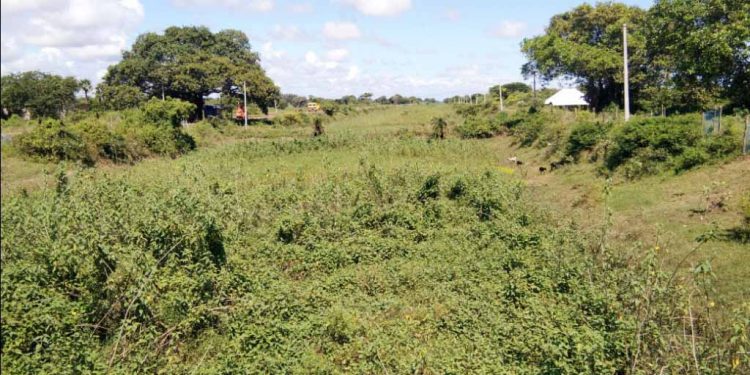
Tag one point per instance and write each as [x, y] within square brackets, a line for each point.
[44, 95]
[191, 63]
[586, 44]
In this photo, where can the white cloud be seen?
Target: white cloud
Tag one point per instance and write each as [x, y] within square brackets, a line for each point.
[452, 15]
[380, 7]
[353, 73]
[312, 60]
[341, 31]
[15, 6]
[245, 5]
[78, 37]
[337, 54]
[300, 8]
[288, 32]
[509, 29]
[267, 52]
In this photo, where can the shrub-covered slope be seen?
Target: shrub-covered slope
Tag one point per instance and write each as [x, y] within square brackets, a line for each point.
[370, 270]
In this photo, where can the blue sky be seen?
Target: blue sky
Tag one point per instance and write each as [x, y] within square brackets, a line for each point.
[325, 48]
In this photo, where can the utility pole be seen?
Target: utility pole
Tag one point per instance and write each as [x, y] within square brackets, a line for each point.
[244, 99]
[625, 71]
[500, 91]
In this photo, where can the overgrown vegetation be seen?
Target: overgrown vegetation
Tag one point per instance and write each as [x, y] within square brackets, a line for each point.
[644, 146]
[119, 137]
[372, 270]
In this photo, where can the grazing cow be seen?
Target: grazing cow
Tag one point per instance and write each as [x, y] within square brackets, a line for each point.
[542, 170]
[515, 161]
[559, 164]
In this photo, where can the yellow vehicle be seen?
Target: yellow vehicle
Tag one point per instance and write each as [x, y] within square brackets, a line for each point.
[313, 107]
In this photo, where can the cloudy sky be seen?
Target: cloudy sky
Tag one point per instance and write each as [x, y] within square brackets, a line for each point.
[427, 48]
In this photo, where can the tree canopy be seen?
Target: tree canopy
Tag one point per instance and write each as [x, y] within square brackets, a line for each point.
[42, 94]
[510, 88]
[585, 44]
[700, 51]
[684, 54]
[191, 63]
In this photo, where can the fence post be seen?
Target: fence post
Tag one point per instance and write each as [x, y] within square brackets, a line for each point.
[747, 130]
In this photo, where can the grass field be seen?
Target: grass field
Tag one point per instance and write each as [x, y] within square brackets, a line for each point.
[313, 285]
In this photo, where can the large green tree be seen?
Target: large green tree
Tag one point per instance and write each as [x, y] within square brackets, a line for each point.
[191, 63]
[42, 94]
[699, 52]
[585, 44]
[509, 88]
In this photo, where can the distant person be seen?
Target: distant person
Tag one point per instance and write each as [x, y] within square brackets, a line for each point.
[239, 114]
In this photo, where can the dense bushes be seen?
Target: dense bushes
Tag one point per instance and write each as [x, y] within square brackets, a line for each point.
[120, 137]
[478, 127]
[355, 272]
[121, 265]
[646, 146]
[292, 118]
[51, 140]
[584, 137]
[168, 112]
[643, 146]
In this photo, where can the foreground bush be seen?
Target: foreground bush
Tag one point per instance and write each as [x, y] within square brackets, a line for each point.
[359, 272]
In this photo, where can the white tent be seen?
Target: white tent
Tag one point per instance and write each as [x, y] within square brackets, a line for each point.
[567, 98]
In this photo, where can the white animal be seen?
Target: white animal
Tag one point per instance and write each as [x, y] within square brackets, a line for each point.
[515, 160]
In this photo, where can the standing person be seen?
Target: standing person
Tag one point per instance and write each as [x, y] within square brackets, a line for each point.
[239, 114]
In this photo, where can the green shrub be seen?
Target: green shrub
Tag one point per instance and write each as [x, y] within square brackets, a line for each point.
[485, 109]
[584, 137]
[100, 141]
[430, 189]
[160, 140]
[169, 112]
[52, 141]
[439, 127]
[528, 127]
[14, 121]
[690, 158]
[723, 145]
[670, 135]
[478, 127]
[329, 107]
[676, 141]
[527, 132]
[293, 118]
[646, 161]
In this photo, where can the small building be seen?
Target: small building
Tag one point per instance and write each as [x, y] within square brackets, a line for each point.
[567, 98]
[313, 107]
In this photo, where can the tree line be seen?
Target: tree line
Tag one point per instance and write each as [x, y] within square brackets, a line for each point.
[299, 101]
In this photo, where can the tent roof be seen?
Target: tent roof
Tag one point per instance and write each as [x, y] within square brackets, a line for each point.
[567, 97]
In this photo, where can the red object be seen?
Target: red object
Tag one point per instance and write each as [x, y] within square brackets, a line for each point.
[239, 112]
